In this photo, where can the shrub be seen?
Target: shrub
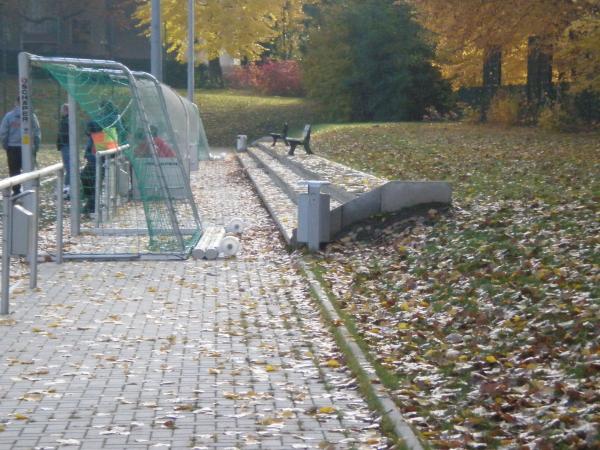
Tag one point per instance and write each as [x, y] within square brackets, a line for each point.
[269, 78]
[559, 117]
[468, 113]
[505, 109]
[280, 78]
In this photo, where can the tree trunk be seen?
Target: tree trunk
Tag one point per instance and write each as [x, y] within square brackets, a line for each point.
[492, 67]
[215, 73]
[492, 77]
[539, 71]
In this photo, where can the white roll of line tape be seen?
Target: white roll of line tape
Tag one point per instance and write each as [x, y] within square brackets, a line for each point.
[230, 245]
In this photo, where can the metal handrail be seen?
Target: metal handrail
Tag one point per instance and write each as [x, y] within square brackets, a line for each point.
[100, 155]
[7, 217]
[112, 151]
[29, 176]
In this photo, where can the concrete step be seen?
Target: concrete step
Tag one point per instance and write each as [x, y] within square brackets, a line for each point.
[288, 179]
[343, 178]
[281, 207]
[354, 195]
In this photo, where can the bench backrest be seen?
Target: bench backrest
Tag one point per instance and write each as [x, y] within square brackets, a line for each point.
[306, 134]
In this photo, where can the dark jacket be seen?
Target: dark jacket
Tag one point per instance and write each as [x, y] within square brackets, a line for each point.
[90, 151]
[62, 137]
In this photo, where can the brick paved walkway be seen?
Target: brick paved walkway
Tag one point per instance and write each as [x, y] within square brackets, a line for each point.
[191, 354]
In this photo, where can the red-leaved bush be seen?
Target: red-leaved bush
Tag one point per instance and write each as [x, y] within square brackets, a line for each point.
[268, 77]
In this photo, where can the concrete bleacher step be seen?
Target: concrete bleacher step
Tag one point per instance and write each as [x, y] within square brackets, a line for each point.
[306, 172]
[355, 195]
[280, 206]
[288, 179]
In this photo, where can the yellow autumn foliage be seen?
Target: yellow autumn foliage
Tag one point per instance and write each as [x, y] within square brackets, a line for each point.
[238, 27]
[463, 29]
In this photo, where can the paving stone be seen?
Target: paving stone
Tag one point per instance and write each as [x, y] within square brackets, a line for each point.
[216, 354]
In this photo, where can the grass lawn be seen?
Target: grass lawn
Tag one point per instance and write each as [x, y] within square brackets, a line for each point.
[485, 318]
[227, 113]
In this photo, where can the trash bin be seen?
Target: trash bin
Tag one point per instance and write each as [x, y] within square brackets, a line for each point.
[313, 215]
[22, 220]
[242, 143]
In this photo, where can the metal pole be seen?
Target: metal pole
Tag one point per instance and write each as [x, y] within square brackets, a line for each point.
[33, 239]
[6, 250]
[97, 209]
[26, 111]
[191, 53]
[114, 186]
[74, 190]
[106, 183]
[59, 217]
[156, 42]
[4, 37]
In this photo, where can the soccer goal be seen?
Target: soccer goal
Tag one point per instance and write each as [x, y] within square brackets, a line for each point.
[133, 146]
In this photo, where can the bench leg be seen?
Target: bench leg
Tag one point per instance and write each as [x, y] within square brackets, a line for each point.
[292, 148]
[274, 141]
[307, 149]
[287, 144]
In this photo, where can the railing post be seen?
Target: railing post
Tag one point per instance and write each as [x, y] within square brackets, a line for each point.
[33, 239]
[6, 185]
[106, 184]
[97, 189]
[6, 250]
[114, 185]
[59, 216]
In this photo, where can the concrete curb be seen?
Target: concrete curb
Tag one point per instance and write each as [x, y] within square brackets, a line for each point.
[387, 406]
[263, 199]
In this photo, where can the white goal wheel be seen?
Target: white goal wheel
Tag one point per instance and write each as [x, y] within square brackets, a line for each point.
[230, 245]
[235, 226]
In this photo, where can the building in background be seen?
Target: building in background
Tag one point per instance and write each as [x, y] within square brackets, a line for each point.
[98, 29]
[92, 29]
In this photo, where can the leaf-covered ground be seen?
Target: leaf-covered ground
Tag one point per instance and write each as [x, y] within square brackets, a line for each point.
[486, 315]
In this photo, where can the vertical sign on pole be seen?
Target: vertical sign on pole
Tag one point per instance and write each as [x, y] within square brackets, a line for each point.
[26, 111]
[156, 42]
[191, 41]
[26, 134]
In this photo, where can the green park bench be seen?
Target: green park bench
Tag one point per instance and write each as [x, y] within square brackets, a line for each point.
[304, 142]
[282, 135]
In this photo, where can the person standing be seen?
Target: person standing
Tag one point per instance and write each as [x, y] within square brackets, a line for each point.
[10, 135]
[98, 140]
[62, 145]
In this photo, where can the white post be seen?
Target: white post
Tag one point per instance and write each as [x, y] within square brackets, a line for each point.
[156, 42]
[74, 168]
[26, 131]
[191, 61]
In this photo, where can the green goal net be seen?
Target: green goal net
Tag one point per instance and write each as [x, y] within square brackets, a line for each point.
[147, 140]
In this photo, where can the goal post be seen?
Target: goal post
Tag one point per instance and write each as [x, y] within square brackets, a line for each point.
[152, 126]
